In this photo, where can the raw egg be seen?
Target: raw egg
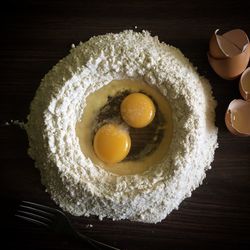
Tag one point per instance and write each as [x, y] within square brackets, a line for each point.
[137, 110]
[112, 143]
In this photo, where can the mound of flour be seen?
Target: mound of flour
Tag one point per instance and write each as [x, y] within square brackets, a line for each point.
[82, 188]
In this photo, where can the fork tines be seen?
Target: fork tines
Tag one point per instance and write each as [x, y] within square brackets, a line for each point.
[38, 214]
[50, 218]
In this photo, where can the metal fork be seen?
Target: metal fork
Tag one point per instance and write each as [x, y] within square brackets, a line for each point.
[56, 221]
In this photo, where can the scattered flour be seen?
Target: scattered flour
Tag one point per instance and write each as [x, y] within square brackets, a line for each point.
[82, 188]
[18, 123]
[89, 226]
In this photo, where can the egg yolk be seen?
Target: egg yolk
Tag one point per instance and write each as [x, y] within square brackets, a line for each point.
[137, 110]
[111, 143]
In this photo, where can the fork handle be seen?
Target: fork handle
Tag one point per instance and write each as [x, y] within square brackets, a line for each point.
[96, 244]
[84, 238]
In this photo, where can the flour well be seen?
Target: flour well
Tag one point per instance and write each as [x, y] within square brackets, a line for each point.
[83, 188]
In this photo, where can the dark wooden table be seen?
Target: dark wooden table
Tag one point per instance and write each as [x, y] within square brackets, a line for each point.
[36, 34]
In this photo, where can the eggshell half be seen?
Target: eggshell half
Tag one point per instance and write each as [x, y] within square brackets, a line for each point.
[228, 44]
[244, 84]
[242, 109]
[231, 67]
[238, 37]
[214, 48]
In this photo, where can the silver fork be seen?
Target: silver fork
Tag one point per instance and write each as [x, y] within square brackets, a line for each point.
[56, 221]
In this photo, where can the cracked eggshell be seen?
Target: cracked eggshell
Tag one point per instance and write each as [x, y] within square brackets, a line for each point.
[214, 48]
[229, 53]
[239, 39]
[244, 84]
[237, 117]
[231, 67]
[228, 44]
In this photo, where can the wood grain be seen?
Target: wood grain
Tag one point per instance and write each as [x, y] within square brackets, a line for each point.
[36, 34]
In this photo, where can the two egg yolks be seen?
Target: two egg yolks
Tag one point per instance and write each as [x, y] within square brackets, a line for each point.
[112, 142]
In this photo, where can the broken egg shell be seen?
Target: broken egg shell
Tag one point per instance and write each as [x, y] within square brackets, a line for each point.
[228, 44]
[231, 67]
[238, 37]
[242, 107]
[245, 80]
[214, 48]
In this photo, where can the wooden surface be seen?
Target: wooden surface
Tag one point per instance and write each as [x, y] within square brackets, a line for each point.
[36, 34]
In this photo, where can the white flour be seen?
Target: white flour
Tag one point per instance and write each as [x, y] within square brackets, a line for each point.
[18, 123]
[82, 188]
